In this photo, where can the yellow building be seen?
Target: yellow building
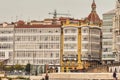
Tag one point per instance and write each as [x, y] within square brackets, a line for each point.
[81, 43]
[80, 46]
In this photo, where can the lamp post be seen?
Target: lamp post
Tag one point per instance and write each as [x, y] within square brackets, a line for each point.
[89, 59]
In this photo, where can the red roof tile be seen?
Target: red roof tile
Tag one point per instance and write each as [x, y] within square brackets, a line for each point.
[38, 26]
[93, 17]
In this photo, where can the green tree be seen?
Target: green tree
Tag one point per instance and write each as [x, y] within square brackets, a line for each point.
[18, 67]
[2, 66]
[7, 68]
[27, 68]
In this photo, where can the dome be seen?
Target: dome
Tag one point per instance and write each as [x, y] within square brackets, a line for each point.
[93, 17]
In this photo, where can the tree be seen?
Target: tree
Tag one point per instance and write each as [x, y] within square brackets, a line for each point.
[1, 66]
[8, 68]
[18, 67]
[27, 68]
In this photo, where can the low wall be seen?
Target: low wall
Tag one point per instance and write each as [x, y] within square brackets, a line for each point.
[75, 76]
[2, 75]
[39, 77]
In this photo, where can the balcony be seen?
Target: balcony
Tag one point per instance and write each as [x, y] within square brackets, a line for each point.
[70, 58]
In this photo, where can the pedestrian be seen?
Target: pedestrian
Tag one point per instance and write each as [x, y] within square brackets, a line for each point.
[115, 75]
[42, 79]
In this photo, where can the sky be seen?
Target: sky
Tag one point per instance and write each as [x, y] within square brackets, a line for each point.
[13, 10]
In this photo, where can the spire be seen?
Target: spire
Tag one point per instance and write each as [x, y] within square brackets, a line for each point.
[93, 6]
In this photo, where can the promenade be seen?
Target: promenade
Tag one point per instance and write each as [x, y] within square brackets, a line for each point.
[82, 76]
[74, 76]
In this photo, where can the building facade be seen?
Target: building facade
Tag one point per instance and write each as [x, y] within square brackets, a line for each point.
[69, 53]
[81, 47]
[91, 43]
[107, 55]
[6, 43]
[116, 32]
[71, 47]
[38, 45]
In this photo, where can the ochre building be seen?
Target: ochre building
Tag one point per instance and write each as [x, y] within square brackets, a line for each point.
[80, 46]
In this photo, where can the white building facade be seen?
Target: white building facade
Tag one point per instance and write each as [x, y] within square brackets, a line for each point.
[37, 45]
[70, 42]
[6, 43]
[91, 43]
[107, 55]
[81, 47]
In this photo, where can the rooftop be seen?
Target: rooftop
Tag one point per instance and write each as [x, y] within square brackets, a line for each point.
[38, 26]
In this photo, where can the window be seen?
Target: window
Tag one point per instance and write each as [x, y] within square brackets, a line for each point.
[105, 50]
[84, 31]
[51, 55]
[110, 30]
[40, 47]
[56, 31]
[57, 55]
[2, 54]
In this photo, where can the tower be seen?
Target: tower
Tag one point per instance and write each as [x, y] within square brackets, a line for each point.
[93, 18]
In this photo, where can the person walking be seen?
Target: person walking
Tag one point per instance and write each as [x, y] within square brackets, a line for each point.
[115, 75]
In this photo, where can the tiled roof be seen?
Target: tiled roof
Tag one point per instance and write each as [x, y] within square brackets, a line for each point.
[20, 22]
[93, 17]
[38, 26]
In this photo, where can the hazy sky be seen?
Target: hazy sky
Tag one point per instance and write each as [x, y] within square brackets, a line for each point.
[39, 9]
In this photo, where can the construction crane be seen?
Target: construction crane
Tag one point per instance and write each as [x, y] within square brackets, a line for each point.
[55, 15]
